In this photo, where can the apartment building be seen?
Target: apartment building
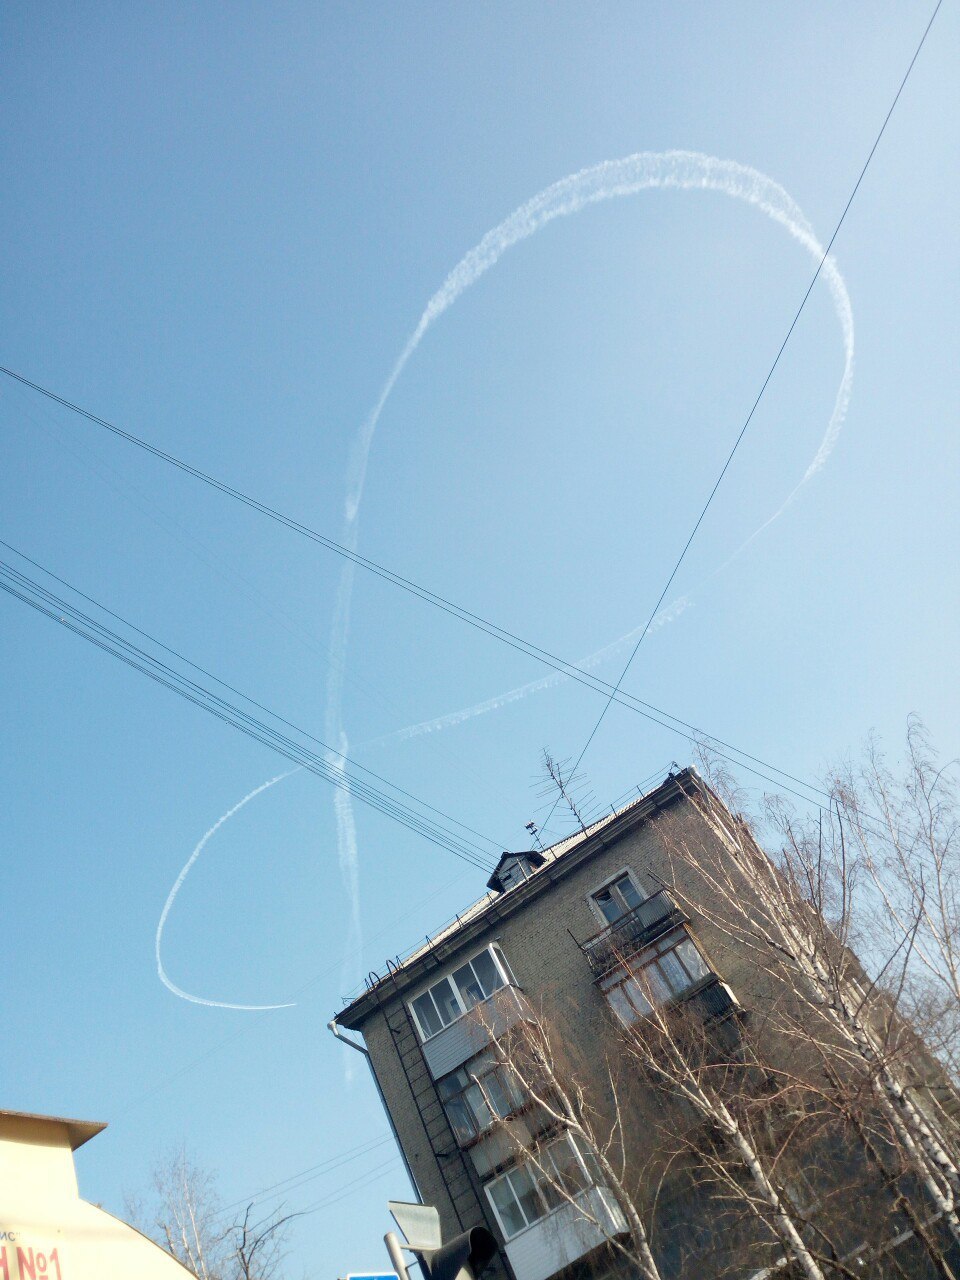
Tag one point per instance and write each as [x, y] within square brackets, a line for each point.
[586, 938]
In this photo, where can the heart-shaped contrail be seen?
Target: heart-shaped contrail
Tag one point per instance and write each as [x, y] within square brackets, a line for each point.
[178, 885]
[610, 180]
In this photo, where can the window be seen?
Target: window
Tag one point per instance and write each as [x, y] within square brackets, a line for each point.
[532, 1190]
[618, 898]
[655, 976]
[477, 1095]
[452, 997]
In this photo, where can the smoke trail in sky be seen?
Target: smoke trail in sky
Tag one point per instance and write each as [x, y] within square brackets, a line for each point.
[495, 703]
[613, 179]
[610, 180]
[178, 885]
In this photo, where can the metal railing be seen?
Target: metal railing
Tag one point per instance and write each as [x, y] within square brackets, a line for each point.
[712, 1001]
[632, 932]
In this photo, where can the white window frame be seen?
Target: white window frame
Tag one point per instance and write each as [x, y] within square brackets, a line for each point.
[495, 952]
[634, 875]
[542, 1155]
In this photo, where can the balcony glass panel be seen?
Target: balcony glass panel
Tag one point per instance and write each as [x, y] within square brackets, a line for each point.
[637, 997]
[447, 1003]
[525, 1190]
[469, 987]
[693, 961]
[507, 1207]
[660, 989]
[503, 1093]
[461, 1119]
[660, 974]
[621, 1005]
[673, 973]
[427, 1015]
[477, 980]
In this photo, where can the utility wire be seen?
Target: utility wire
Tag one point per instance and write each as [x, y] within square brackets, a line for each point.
[60, 610]
[253, 702]
[570, 670]
[371, 1175]
[614, 692]
[303, 1176]
[294, 627]
[755, 405]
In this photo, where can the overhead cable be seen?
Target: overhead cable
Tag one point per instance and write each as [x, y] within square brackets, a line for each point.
[336, 772]
[753, 408]
[674, 724]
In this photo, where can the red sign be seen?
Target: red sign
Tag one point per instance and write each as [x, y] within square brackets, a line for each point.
[22, 1262]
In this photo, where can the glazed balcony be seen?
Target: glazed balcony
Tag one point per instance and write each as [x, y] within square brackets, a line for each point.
[469, 1034]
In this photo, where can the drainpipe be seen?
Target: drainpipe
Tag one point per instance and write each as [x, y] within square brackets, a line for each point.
[334, 1026]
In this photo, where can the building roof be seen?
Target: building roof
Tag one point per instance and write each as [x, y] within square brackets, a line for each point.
[557, 858]
[78, 1131]
[532, 857]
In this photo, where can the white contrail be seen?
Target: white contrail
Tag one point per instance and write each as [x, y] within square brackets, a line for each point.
[680, 170]
[645, 170]
[533, 686]
[610, 180]
[178, 885]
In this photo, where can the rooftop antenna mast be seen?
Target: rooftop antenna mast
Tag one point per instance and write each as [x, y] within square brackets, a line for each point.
[535, 835]
[564, 784]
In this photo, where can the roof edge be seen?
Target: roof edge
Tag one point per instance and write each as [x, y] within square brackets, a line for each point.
[674, 787]
[78, 1131]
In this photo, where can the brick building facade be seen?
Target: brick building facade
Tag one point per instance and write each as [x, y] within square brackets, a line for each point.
[558, 939]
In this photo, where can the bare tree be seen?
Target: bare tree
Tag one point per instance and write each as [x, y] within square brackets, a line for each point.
[184, 1215]
[258, 1245]
[702, 1112]
[672, 1048]
[906, 833]
[529, 1056]
[800, 917]
[820, 1147]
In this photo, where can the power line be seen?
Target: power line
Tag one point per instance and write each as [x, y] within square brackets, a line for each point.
[330, 1165]
[755, 405]
[656, 715]
[60, 610]
[371, 1175]
[294, 627]
[570, 670]
[223, 684]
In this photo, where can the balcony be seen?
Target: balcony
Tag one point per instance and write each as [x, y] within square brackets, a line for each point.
[713, 1001]
[467, 1035]
[632, 932]
[569, 1233]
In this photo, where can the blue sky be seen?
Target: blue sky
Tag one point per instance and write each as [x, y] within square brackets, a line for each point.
[221, 224]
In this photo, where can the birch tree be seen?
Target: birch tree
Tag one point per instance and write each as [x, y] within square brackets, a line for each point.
[670, 1060]
[185, 1216]
[529, 1054]
[800, 917]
